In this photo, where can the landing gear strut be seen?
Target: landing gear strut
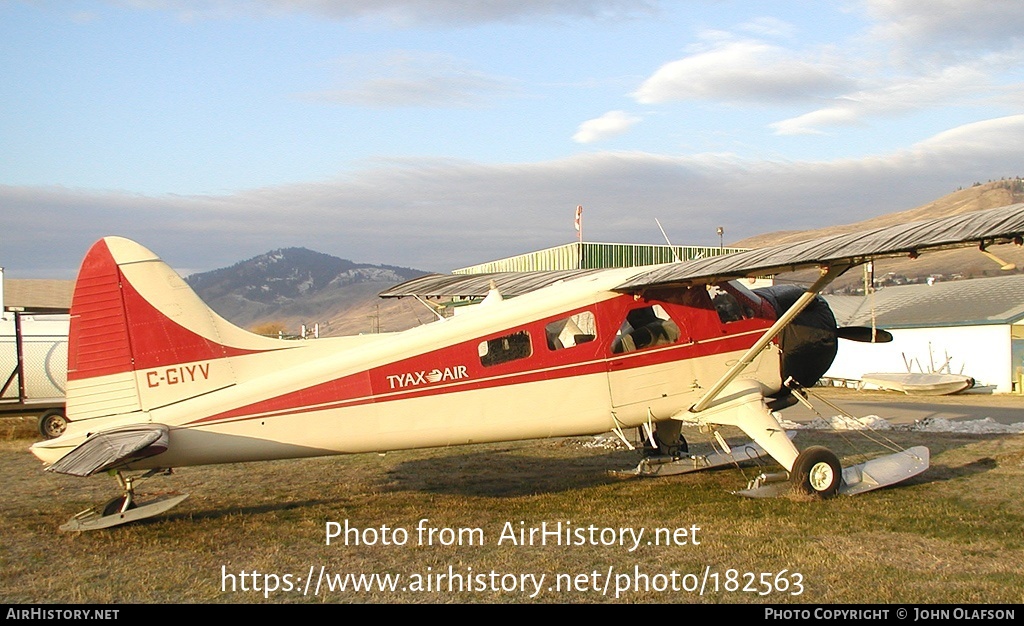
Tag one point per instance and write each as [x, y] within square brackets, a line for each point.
[668, 441]
[667, 459]
[124, 508]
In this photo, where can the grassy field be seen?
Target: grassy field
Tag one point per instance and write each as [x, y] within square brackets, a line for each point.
[951, 535]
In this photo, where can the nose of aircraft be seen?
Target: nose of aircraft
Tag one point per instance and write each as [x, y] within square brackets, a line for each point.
[810, 343]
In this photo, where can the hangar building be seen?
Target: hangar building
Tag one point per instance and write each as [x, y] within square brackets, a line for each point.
[586, 256]
[970, 327]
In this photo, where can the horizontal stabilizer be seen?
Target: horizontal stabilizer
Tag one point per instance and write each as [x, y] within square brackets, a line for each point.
[113, 448]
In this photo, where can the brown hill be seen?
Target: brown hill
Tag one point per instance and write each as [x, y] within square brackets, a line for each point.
[284, 289]
[948, 265]
[370, 314]
[355, 310]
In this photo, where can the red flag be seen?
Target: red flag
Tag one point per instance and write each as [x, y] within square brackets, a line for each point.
[579, 218]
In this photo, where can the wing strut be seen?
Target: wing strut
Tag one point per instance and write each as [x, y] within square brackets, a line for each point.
[815, 470]
[828, 274]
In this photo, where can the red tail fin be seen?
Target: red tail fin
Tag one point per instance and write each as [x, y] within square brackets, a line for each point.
[140, 338]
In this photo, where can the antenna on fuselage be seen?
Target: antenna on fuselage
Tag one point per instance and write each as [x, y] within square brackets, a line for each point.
[663, 234]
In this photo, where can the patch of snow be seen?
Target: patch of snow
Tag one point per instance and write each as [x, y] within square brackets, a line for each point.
[840, 422]
[985, 426]
[606, 441]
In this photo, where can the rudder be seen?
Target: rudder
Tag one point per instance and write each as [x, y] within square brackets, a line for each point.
[140, 338]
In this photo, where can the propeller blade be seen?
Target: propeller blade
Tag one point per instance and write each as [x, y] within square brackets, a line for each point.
[864, 334]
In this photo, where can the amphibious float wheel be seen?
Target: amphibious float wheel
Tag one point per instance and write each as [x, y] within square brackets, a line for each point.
[52, 424]
[817, 471]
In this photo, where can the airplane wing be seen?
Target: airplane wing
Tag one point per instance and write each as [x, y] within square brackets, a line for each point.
[981, 228]
[113, 448]
[833, 256]
[477, 285]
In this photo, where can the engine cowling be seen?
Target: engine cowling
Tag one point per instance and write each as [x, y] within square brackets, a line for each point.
[809, 344]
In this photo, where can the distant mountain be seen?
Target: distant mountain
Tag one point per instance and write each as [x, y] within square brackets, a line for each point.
[295, 286]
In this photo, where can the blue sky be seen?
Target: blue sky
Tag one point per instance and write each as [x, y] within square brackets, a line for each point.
[437, 134]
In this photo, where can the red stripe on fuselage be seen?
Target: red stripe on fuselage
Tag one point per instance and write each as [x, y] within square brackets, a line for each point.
[292, 404]
[703, 335]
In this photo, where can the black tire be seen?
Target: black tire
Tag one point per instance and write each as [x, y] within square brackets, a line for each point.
[817, 471]
[52, 423]
[114, 506]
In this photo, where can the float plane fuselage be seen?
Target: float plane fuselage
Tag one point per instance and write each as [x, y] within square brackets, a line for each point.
[157, 380]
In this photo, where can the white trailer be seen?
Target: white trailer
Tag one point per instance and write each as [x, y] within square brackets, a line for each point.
[34, 365]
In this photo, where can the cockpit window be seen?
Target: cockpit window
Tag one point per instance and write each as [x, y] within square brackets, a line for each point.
[732, 301]
[572, 331]
[645, 327]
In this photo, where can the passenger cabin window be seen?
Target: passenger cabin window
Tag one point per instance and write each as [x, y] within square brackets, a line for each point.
[645, 327]
[505, 349]
[572, 331]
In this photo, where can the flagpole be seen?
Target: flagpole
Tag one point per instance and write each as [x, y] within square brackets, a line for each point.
[579, 235]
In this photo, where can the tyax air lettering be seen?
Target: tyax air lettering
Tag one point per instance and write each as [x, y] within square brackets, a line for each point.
[178, 374]
[411, 379]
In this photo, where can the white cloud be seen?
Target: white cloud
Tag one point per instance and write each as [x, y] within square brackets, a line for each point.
[407, 12]
[949, 25]
[951, 85]
[948, 53]
[608, 125]
[768, 27]
[987, 136]
[413, 79]
[440, 214]
[742, 71]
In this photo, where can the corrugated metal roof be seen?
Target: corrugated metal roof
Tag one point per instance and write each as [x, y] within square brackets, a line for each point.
[979, 301]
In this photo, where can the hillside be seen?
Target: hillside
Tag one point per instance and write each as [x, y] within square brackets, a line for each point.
[295, 286]
[965, 263]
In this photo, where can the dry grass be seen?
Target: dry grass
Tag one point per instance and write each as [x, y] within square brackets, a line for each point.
[951, 535]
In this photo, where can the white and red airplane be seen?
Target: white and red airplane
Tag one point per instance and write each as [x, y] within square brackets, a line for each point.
[156, 380]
